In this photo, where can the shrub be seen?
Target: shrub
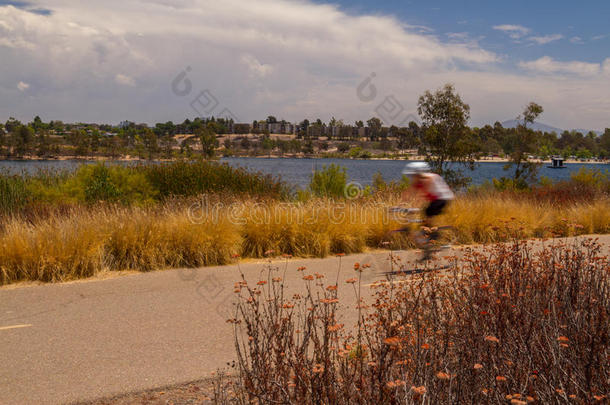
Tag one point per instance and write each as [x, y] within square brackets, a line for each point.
[14, 194]
[329, 182]
[192, 178]
[508, 325]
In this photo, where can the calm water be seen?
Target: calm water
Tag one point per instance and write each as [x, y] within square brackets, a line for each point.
[298, 171]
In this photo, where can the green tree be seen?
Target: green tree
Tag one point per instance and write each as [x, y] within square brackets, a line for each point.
[308, 147]
[2, 137]
[604, 143]
[22, 140]
[267, 144]
[343, 147]
[37, 124]
[43, 144]
[209, 143]
[445, 136]
[150, 141]
[374, 125]
[523, 143]
[94, 140]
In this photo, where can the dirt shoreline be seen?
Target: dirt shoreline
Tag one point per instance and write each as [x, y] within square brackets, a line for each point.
[298, 156]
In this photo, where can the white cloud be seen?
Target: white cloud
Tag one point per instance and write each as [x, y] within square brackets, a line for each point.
[546, 64]
[125, 80]
[577, 40]
[598, 37]
[256, 68]
[23, 86]
[513, 31]
[606, 66]
[291, 59]
[545, 39]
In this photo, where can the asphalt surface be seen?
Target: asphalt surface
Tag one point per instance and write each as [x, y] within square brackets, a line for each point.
[71, 342]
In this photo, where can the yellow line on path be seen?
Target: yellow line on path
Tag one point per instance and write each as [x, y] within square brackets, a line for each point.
[15, 326]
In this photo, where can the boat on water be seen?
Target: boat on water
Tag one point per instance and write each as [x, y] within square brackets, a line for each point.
[557, 163]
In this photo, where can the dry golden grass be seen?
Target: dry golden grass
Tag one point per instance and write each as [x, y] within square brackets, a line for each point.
[87, 241]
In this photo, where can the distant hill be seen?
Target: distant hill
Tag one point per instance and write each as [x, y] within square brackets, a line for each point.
[586, 131]
[538, 126]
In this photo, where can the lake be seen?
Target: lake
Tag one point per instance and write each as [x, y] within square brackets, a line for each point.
[298, 171]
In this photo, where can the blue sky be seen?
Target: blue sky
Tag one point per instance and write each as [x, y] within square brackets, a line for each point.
[115, 60]
[583, 25]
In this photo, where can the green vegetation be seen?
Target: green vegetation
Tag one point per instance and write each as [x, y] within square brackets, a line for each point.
[442, 136]
[140, 184]
[445, 136]
[61, 226]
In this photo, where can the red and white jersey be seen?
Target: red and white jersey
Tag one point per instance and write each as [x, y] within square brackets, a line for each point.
[434, 188]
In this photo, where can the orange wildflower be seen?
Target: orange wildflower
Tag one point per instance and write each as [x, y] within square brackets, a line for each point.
[329, 300]
[419, 390]
[442, 376]
[492, 339]
[500, 378]
[308, 277]
[392, 341]
[318, 368]
[332, 288]
[478, 366]
[351, 280]
[262, 282]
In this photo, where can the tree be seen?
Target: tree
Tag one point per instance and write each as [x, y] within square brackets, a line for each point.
[2, 137]
[343, 147]
[22, 140]
[445, 136]
[271, 119]
[604, 143]
[209, 143]
[94, 140]
[150, 142]
[267, 144]
[43, 144]
[374, 125]
[37, 124]
[308, 147]
[524, 142]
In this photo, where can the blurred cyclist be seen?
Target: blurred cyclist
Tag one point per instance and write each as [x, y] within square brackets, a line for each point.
[430, 187]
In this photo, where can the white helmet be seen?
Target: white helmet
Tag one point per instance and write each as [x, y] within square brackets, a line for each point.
[414, 168]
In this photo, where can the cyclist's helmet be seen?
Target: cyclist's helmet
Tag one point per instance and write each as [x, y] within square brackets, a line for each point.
[414, 168]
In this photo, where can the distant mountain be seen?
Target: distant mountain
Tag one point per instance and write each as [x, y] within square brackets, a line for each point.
[536, 126]
[586, 131]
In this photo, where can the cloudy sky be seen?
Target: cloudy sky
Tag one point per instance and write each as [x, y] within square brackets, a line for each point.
[160, 60]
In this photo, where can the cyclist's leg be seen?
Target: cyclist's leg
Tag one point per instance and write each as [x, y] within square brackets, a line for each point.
[435, 208]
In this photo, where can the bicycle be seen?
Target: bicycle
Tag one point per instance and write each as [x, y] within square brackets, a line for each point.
[426, 239]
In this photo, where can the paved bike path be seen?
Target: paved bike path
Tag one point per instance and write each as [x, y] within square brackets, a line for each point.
[61, 343]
